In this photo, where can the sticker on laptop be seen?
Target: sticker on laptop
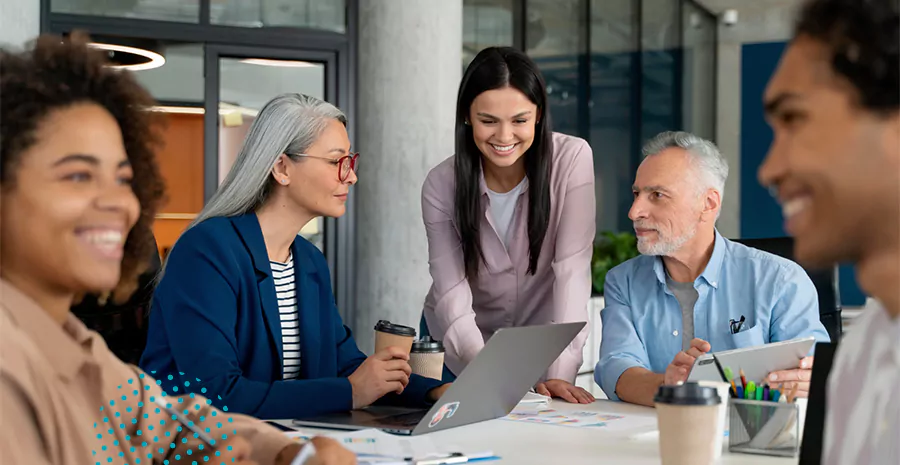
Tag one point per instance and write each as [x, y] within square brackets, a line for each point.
[446, 411]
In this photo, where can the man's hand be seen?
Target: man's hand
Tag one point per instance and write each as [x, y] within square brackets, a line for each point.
[386, 371]
[678, 371]
[786, 379]
[436, 393]
[565, 391]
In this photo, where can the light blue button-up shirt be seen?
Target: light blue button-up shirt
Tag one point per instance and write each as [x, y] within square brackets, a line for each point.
[642, 320]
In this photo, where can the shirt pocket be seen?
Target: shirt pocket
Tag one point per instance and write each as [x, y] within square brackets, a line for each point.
[748, 337]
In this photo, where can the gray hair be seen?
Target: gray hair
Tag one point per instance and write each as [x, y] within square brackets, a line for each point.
[711, 165]
[289, 123]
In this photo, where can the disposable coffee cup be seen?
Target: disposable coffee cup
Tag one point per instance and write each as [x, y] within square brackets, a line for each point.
[388, 334]
[427, 358]
[688, 417]
[724, 390]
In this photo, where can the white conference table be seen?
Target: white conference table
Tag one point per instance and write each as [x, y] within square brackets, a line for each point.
[524, 443]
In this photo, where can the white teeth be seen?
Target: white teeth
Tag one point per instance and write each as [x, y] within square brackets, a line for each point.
[104, 238]
[503, 148]
[794, 206]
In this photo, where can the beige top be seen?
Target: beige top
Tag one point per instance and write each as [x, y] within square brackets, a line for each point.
[66, 399]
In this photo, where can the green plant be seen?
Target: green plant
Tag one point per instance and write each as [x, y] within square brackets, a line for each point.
[610, 249]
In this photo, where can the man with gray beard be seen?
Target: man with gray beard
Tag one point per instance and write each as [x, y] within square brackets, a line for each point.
[693, 291]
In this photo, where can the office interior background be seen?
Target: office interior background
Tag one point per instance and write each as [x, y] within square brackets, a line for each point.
[618, 72]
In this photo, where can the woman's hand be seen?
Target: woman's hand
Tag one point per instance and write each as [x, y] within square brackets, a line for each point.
[564, 390]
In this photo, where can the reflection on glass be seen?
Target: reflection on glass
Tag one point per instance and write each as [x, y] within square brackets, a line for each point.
[699, 77]
[486, 23]
[555, 40]
[183, 11]
[180, 79]
[245, 85]
[315, 14]
[615, 82]
[660, 56]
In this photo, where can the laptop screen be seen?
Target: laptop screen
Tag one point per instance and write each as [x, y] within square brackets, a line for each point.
[814, 429]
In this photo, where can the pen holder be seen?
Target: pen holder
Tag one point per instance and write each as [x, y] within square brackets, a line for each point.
[764, 427]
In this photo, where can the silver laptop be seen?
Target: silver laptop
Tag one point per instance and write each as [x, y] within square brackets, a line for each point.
[511, 362]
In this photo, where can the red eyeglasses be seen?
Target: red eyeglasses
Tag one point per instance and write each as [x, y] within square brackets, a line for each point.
[344, 164]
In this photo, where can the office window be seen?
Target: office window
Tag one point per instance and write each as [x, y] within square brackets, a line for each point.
[328, 15]
[555, 38]
[614, 113]
[184, 11]
[486, 23]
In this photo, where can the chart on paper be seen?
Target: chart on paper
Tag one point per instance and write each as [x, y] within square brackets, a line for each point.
[582, 419]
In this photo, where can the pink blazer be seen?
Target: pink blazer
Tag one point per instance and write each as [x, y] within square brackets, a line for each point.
[465, 314]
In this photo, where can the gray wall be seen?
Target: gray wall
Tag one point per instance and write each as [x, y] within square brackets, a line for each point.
[408, 75]
[759, 21]
[20, 21]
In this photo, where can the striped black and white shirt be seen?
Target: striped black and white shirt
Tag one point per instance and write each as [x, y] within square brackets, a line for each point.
[286, 292]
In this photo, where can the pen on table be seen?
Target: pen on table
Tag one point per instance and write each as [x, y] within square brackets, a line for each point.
[210, 442]
[455, 457]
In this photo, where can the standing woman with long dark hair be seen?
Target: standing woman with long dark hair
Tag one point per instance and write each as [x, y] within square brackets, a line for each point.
[510, 220]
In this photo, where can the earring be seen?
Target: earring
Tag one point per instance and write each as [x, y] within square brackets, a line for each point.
[284, 181]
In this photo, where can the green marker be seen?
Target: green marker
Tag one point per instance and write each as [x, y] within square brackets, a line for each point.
[750, 392]
[729, 375]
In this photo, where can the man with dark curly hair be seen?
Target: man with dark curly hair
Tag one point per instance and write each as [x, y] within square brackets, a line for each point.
[79, 188]
[834, 105]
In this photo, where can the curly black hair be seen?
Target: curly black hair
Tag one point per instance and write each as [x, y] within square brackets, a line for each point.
[864, 39]
[55, 73]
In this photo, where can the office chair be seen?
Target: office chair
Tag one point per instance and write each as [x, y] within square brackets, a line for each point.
[123, 327]
[825, 281]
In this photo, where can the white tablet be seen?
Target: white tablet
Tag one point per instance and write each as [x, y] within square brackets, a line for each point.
[757, 362]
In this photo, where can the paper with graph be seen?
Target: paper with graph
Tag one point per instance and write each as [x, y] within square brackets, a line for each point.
[613, 422]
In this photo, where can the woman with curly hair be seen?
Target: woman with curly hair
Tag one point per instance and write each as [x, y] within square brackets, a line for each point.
[79, 188]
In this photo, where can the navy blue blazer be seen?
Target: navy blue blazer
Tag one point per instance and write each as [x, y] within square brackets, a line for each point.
[215, 317]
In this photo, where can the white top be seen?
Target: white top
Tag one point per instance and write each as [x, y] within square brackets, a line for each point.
[503, 205]
[286, 293]
[862, 424]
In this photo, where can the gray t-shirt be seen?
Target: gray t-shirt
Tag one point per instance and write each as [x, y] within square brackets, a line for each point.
[687, 297]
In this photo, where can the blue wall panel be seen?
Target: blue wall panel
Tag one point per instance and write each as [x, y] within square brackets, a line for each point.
[760, 214]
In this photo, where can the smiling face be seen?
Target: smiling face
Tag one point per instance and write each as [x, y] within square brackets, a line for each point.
[69, 205]
[834, 165]
[315, 184]
[503, 125]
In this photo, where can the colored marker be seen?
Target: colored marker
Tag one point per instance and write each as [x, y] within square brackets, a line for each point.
[775, 395]
[750, 391]
[766, 393]
[759, 393]
[740, 392]
[729, 375]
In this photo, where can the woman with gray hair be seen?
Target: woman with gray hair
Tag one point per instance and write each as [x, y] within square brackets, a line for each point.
[245, 304]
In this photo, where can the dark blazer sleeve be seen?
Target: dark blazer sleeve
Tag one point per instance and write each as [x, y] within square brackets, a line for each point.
[350, 357]
[196, 303]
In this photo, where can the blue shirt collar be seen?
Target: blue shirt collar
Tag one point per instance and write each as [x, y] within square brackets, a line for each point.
[713, 268]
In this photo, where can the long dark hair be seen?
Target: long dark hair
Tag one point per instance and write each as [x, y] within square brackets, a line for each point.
[495, 68]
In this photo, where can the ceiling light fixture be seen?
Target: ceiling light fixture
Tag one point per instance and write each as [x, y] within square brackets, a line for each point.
[146, 59]
[279, 63]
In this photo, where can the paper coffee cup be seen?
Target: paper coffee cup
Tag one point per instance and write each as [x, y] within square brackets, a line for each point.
[388, 334]
[724, 390]
[688, 424]
[427, 358]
